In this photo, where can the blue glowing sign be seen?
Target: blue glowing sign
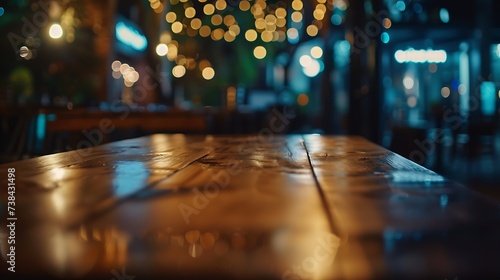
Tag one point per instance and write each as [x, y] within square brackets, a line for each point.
[488, 98]
[130, 36]
[421, 56]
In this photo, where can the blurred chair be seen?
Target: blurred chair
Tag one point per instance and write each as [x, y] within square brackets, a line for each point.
[19, 129]
[476, 145]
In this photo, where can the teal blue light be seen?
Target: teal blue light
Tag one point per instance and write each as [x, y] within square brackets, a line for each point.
[444, 15]
[41, 123]
[488, 98]
[130, 176]
[401, 6]
[130, 36]
[385, 37]
[336, 19]
[443, 200]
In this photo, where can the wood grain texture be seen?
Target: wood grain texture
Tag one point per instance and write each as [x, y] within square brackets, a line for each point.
[246, 207]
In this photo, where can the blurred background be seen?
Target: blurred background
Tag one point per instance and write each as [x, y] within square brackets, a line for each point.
[419, 77]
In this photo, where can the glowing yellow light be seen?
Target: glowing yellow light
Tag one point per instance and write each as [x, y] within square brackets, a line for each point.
[155, 5]
[316, 52]
[229, 20]
[244, 5]
[280, 13]
[55, 31]
[297, 5]
[266, 36]
[220, 5]
[116, 65]
[216, 19]
[217, 34]
[318, 14]
[172, 52]
[190, 12]
[196, 23]
[256, 10]
[271, 28]
[303, 99]
[178, 71]
[261, 3]
[251, 35]
[499, 94]
[161, 49]
[205, 31]
[270, 19]
[387, 23]
[208, 73]
[176, 27]
[280, 22]
[259, 52]
[296, 16]
[159, 9]
[260, 23]
[208, 9]
[234, 30]
[170, 17]
[312, 30]
[124, 67]
[321, 7]
[229, 36]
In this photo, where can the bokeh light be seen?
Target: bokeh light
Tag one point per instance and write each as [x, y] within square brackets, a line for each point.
[161, 49]
[445, 92]
[116, 66]
[408, 82]
[302, 99]
[259, 52]
[176, 27]
[316, 52]
[55, 31]
[208, 73]
[178, 71]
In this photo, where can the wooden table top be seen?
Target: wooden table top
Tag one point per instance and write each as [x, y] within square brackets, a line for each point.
[246, 207]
